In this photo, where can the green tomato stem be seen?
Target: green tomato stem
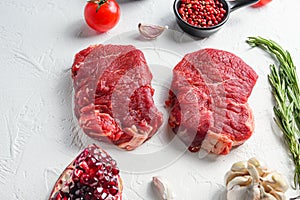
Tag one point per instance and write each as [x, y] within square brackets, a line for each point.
[98, 2]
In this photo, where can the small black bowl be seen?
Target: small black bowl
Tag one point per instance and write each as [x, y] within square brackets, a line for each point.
[203, 32]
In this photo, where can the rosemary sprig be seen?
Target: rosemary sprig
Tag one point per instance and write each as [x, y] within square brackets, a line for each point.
[285, 88]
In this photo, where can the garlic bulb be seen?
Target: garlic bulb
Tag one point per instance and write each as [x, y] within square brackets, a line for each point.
[250, 180]
[162, 187]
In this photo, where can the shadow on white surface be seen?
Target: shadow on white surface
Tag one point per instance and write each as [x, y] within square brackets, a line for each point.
[79, 29]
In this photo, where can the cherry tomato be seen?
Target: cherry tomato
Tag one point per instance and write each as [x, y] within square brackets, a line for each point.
[261, 3]
[102, 15]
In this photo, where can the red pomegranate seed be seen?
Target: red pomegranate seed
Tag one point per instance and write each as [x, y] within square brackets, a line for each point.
[113, 191]
[115, 171]
[193, 11]
[78, 172]
[112, 183]
[85, 179]
[93, 175]
[83, 165]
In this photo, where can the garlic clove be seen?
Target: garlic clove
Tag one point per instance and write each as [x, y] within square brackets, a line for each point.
[240, 166]
[254, 162]
[276, 181]
[240, 180]
[253, 173]
[260, 166]
[231, 175]
[281, 182]
[151, 31]
[162, 187]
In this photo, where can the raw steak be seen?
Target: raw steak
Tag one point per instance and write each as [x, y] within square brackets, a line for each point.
[113, 95]
[208, 100]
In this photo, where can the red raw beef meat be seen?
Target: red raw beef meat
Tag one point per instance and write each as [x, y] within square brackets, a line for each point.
[208, 100]
[113, 95]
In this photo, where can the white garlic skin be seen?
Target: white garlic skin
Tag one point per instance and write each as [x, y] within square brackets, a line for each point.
[162, 187]
[151, 32]
[251, 180]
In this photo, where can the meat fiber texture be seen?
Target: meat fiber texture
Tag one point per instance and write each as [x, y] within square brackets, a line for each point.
[208, 100]
[113, 95]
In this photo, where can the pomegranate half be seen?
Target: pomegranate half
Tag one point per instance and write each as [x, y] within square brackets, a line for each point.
[93, 175]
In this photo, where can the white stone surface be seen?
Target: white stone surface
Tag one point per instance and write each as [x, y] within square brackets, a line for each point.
[38, 42]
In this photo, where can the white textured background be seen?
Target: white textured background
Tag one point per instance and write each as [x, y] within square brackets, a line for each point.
[38, 40]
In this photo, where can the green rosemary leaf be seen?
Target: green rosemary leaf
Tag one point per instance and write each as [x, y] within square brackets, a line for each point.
[285, 89]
